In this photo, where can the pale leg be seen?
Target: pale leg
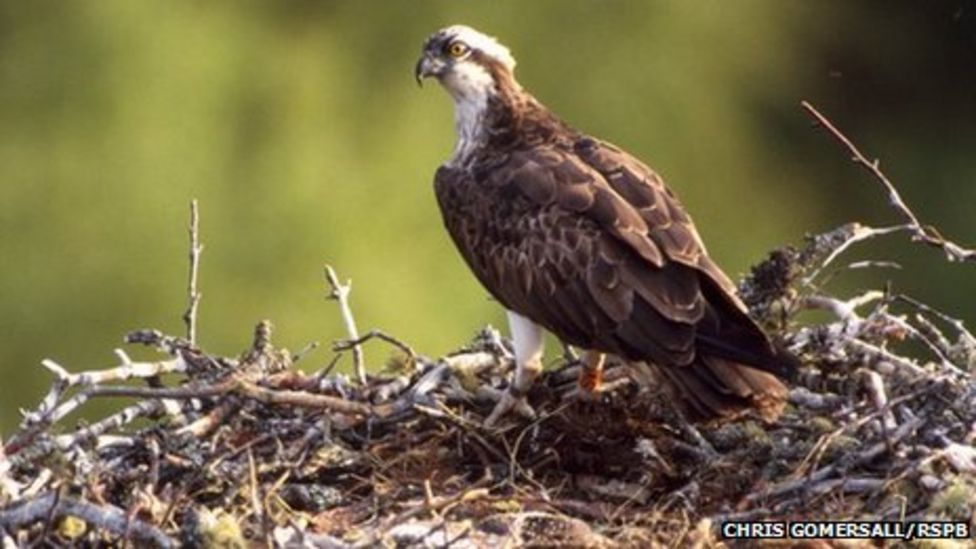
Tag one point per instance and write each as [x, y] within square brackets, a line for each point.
[527, 336]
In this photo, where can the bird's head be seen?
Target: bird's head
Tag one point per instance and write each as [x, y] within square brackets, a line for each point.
[466, 62]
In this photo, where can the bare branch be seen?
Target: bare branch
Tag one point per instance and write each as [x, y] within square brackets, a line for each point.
[117, 420]
[124, 371]
[233, 384]
[302, 399]
[374, 334]
[340, 292]
[920, 232]
[960, 327]
[106, 517]
[209, 421]
[193, 295]
[857, 233]
[865, 456]
[874, 385]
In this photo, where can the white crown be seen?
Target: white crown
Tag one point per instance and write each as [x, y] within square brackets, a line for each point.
[482, 42]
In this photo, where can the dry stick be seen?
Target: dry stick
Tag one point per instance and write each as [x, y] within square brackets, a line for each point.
[190, 316]
[250, 390]
[117, 420]
[846, 311]
[878, 353]
[923, 335]
[8, 485]
[107, 517]
[256, 500]
[126, 369]
[431, 504]
[865, 264]
[308, 348]
[954, 322]
[51, 410]
[375, 334]
[820, 447]
[206, 423]
[513, 462]
[228, 386]
[928, 235]
[933, 334]
[340, 292]
[874, 385]
[815, 477]
[303, 399]
[82, 397]
[843, 310]
[855, 233]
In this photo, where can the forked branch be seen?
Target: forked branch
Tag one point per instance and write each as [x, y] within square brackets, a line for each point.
[340, 293]
[920, 232]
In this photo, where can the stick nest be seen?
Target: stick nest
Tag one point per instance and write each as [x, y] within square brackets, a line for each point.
[221, 451]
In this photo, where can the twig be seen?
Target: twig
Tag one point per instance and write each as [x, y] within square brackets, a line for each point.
[50, 411]
[923, 334]
[193, 295]
[430, 503]
[853, 233]
[815, 477]
[844, 310]
[168, 344]
[960, 327]
[417, 393]
[374, 334]
[922, 233]
[305, 351]
[814, 455]
[303, 399]
[801, 396]
[878, 354]
[107, 517]
[847, 485]
[206, 423]
[256, 500]
[230, 385]
[124, 371]
[117, 420]
[874, 385]
[340, 292]
[7, 484]
[856, 265]
[513, 462]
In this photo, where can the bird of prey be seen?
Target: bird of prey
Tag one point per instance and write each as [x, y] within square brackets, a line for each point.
[575, 236]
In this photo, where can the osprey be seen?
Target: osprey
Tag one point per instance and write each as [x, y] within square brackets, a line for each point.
[575, 236]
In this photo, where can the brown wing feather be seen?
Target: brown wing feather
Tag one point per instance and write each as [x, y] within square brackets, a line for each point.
[588, 242]
[574, 270]
[726, 331]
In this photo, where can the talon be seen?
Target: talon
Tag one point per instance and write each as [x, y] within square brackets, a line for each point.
[508, 403]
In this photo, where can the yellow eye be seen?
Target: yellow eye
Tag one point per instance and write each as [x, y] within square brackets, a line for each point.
[456, 49]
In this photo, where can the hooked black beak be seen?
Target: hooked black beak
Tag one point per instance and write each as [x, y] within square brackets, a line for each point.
[427, 66]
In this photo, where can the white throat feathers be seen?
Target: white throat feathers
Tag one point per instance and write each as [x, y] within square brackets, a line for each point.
[470, 85]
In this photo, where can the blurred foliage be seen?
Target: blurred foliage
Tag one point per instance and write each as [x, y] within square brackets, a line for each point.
[299, 127]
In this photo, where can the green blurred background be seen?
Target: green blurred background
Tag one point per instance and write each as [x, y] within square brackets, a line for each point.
[299, 127]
